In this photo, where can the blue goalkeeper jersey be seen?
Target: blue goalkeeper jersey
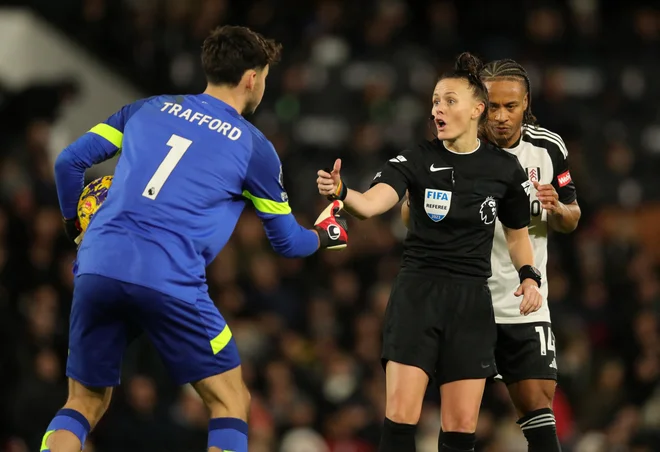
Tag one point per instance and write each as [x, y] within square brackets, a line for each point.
[187, 167]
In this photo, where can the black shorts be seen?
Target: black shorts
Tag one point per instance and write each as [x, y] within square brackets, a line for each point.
[525, 351]
[446, 327]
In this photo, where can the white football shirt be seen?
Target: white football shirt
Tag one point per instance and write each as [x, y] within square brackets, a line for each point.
[543, 155]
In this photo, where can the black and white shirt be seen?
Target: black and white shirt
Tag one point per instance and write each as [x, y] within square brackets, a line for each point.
[455, 201]
[543, 155]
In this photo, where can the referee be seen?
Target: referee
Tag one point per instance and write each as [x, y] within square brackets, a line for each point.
[439, 322]
[525, 351]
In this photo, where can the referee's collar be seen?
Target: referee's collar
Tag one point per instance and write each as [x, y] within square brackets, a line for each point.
[441, 143]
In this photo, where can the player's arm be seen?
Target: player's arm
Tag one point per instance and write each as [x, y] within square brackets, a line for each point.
[520, 247]
[514, 213]
[559, 198]
[375, 201]
[263, 187]
[100, 143]
[387, 188]
[405, 212]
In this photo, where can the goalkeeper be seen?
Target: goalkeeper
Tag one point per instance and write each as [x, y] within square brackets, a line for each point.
[188, 166]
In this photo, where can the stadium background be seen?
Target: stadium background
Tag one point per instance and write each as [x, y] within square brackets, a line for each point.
[354, 83]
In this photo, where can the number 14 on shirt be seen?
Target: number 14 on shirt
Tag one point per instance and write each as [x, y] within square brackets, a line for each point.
[542, 340]
[179, 146]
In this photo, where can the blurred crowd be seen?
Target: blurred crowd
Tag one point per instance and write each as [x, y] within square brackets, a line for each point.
[354, 83]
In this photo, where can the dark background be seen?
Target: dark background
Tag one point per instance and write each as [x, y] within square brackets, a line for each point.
[355, 83]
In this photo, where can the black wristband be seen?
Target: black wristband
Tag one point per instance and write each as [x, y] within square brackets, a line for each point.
[530, 272]
[323, 237]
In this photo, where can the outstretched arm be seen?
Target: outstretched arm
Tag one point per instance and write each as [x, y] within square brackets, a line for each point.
[263, 187]
[377, 200]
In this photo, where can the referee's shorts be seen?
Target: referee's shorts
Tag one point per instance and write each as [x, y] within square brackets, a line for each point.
[444, 326]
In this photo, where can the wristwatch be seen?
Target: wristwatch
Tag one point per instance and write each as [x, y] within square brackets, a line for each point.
[530, 272]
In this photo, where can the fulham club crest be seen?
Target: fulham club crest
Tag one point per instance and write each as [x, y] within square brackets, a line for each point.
[534, 174]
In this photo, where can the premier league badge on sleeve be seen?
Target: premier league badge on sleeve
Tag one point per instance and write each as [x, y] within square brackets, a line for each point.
[488, 210]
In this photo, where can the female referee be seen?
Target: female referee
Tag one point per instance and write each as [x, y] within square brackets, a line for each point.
[525, 350]
[439, 322]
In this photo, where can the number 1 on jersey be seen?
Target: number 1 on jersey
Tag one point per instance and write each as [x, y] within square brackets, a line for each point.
[179, 147]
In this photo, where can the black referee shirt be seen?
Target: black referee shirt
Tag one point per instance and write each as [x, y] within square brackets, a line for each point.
[454, 200]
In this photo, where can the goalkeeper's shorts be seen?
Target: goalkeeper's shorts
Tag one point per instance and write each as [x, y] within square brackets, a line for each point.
[192, 339]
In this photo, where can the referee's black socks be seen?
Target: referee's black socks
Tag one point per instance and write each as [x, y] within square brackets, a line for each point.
[539, 427]
[456, 442]
[397, 437]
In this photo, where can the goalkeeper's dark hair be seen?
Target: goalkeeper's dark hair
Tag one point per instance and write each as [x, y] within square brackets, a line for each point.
[468, 67]
[230, 50]
[511, 70]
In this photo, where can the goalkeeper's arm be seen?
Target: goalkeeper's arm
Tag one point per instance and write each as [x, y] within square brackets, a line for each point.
[100, 143]
[263, 186]
[70, 167]
[290, 239]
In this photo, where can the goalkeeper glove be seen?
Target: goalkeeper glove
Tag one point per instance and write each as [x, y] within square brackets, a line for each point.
[73, 230]
[332, 228]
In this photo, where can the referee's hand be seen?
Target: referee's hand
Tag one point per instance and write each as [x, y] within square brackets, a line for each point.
[532, 298]
[328, 182]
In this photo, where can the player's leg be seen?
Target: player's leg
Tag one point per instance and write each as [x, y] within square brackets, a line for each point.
[197, 347]
[405, 388]
[98, 335]
[459, 413]
[83, 409]
[228, 401]
[533, 401]
[467, 359]
[410, 351]
[527, 362]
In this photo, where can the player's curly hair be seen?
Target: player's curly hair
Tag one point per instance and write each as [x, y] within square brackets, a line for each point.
[511, 70]
[230, 50]
[468, 67]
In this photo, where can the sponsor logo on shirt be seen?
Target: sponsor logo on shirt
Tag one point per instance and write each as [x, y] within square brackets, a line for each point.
[564, 179]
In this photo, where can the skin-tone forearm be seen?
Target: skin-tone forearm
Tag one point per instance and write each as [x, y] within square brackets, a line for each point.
[520, 247]
[377, 200]
[357, 204]
[565, 217]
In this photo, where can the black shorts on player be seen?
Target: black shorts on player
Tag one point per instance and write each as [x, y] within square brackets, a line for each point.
[525, 351]
[443, 326]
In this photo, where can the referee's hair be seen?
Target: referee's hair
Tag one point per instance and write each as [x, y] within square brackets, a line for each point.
[230, 50]
[468, 67]
[511, 70]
